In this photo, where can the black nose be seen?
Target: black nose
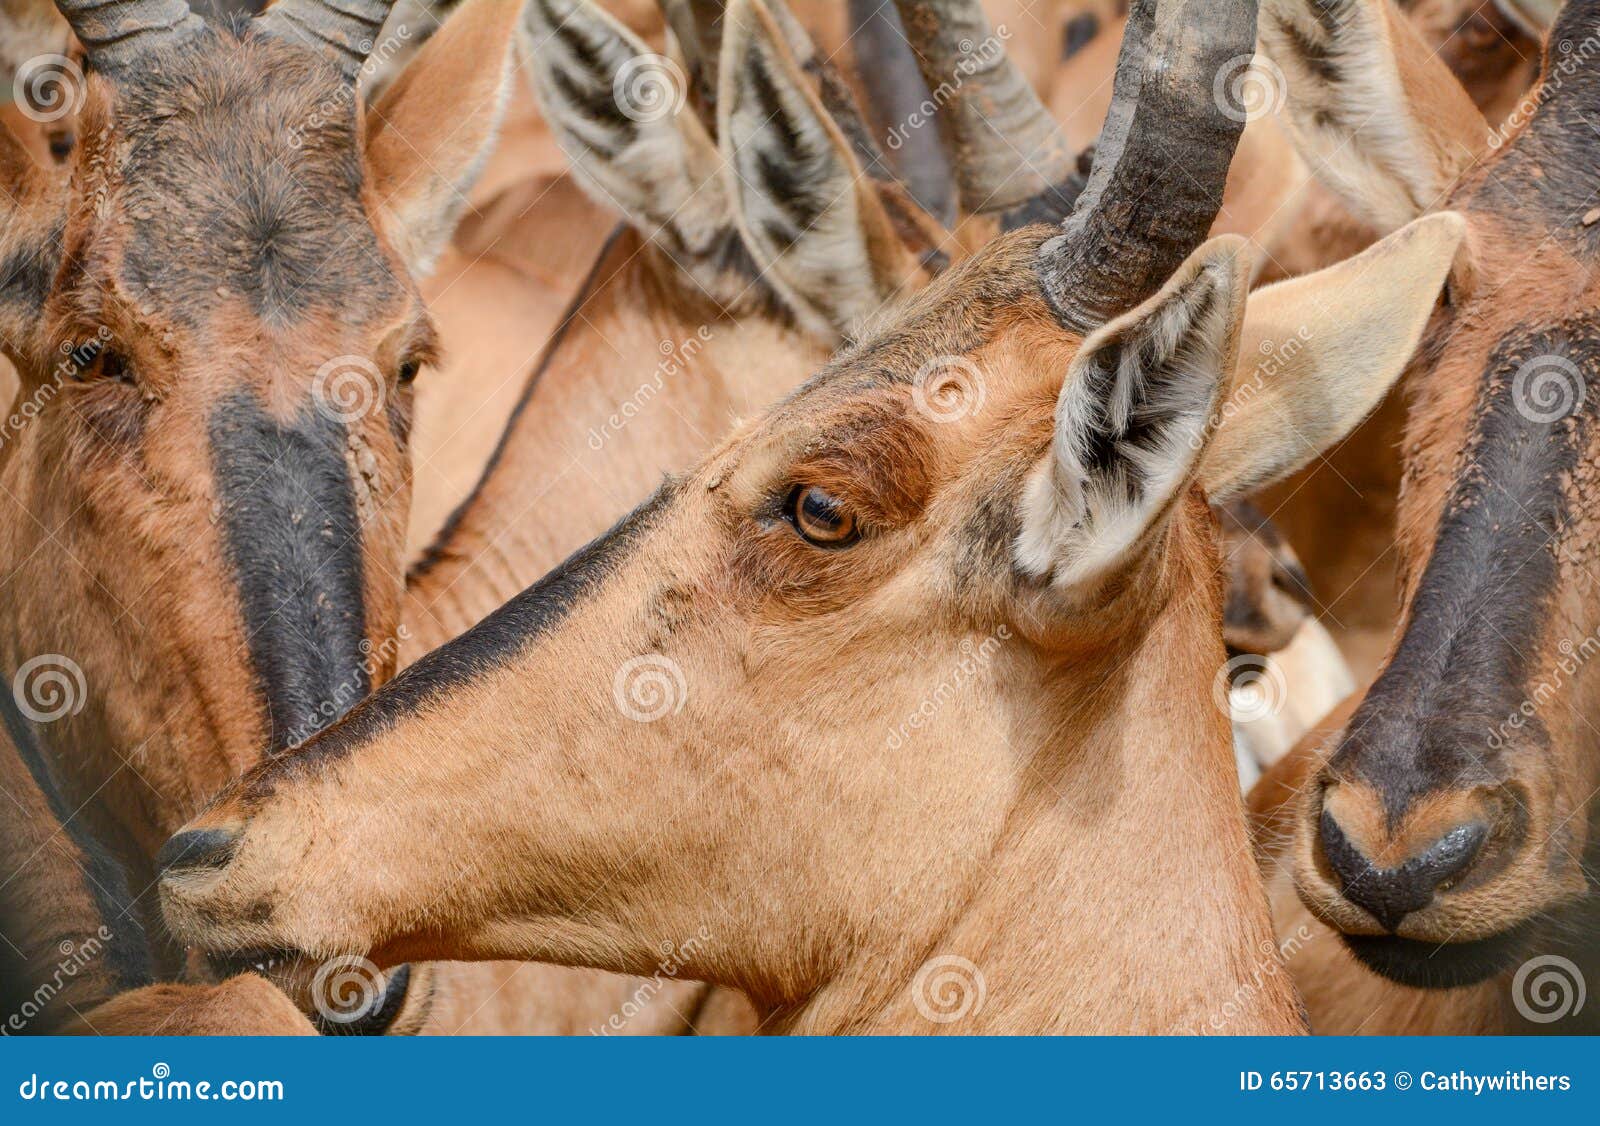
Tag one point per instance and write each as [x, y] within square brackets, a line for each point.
[1390, 894]
[197, 849]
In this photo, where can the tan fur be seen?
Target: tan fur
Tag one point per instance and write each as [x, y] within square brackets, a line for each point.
[783, 761]
[1547, 791]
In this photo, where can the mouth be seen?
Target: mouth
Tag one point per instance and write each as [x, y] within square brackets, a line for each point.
[268, 963]
[1442, 965]
[360, 1003]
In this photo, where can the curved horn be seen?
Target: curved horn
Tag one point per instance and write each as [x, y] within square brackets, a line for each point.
[1161, 161]
[115, 32]
[1007, 147]
[346, 29]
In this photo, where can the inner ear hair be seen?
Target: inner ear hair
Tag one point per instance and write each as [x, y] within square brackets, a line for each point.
[1377, 115]
[1134, 414]
[812, 220]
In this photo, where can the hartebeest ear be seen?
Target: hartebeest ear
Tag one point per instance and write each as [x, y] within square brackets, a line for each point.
[811, 218]
[1319, 352]
[1132, 419]
[424, 160]
[617, 110]
[1377, 115]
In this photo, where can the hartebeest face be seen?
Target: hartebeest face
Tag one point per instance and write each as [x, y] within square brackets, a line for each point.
[889, 659]
[216, 320]
[1454, 814]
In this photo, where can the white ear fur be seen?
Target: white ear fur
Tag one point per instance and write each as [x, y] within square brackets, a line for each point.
[806, 211]
[1318, 353]
[1377, 116]
[617, 110]
[1133, 418]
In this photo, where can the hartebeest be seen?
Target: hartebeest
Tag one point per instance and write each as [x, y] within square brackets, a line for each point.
[75, 956]
[216, 320]
[774, 649]
[1449, 836]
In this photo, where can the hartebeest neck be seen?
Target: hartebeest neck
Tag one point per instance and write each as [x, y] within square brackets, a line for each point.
[1120, 897]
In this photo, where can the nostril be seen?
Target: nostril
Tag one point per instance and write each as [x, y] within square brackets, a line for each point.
[195, 849]
[1390, 894]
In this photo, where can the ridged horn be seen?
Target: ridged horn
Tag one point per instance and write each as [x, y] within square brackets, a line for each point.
[1007, 149]
[1161, 161]
[345, 31]
[114, 33]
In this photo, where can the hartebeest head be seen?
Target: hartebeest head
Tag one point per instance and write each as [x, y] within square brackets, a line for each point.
[918, 665]
[214, 312]
[1455, 811]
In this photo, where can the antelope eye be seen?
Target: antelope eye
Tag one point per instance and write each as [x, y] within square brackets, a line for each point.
[98, 361]
[408, 370]
[820, 518]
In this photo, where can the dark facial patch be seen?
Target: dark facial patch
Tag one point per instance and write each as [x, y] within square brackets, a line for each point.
[483, 648]
[289, 525]
[1484, 599]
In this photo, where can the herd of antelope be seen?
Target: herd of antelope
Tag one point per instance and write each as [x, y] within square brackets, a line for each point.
[557, 516]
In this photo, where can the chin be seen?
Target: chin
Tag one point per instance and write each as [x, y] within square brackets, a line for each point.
[1442, 965]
